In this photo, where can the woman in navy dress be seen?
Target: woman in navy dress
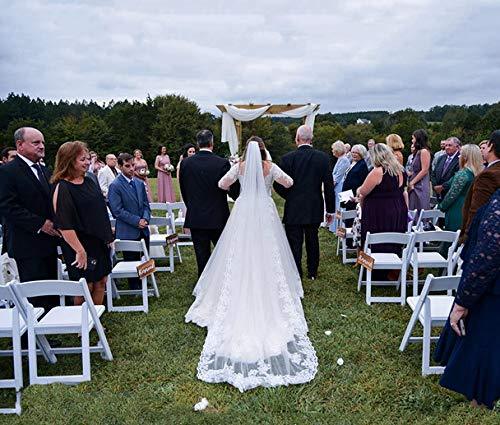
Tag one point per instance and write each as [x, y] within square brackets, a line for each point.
[473, 360]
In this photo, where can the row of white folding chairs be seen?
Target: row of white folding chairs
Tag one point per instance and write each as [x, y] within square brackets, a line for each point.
[62, 319]
[410, 257]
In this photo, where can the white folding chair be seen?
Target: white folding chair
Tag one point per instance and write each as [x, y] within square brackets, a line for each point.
[12, 326]
[178, 222]
[169, 214]
[386, 261]
[347, 215]
[412, 214]
[128, 269]
[428, 215]
[431, 311]
[160, 240]
[457, 262]
[336, 222]
[432, 259]
[62, 320]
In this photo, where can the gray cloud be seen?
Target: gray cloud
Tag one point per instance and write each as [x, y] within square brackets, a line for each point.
[357, 55]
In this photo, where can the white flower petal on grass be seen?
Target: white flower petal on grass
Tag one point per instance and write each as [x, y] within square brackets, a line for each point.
[340, 361]
[343, 315]
[201, 405]
[328, 333]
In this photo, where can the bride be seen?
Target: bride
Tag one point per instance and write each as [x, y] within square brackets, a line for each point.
[248, 295]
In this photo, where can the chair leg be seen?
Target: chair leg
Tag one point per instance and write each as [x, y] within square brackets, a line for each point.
[402, 279]
[360, 277]
[32, 359]
[415, 279]
[426, 342]
[179, 253]
[368, 287]
[171, 258]
[155, 286]
[109, 294]
[85, 344]
[145, 302]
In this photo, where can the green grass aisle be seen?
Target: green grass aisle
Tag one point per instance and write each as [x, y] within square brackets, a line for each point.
[153, 376]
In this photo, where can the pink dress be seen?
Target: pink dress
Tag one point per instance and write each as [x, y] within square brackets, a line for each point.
[166, 191]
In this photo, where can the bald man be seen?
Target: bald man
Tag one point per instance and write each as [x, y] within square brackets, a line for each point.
[108, 173]
[25, 205]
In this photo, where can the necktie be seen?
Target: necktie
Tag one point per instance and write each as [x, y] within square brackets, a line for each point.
[446, 164]
[41, 177]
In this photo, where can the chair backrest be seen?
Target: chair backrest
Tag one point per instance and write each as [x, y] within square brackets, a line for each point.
[159, 221]
[131, 246]
[5, 293]
[159, 206]
[387, 237]
[347, 215]
[433, 215]
[437, 236]
[442, 283]
[40, 288]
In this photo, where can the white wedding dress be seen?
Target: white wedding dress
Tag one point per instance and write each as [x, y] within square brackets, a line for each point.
[249, 294]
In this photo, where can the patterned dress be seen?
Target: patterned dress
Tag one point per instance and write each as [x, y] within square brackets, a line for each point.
[454, 199]
[473, 361]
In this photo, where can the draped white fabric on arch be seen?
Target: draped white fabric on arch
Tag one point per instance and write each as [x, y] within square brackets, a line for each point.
[229, 134]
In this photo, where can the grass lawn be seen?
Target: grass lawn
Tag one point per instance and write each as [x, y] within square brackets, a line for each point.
[153, 376]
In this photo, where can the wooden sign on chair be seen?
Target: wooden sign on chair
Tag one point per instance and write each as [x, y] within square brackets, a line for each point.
[146, 269]
[365, 260]
[172, 239]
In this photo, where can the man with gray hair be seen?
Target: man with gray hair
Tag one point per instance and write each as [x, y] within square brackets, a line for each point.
[26, 207]
[108, 173]
[304, 204]
[446, 167]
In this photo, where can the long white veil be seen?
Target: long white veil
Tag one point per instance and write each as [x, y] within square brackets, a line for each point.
[248, 296]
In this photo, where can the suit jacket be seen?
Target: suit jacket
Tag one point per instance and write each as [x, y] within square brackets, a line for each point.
[105, 177]
[437, 176]
[309, 170]
[24, 206]
[128, 205]
[484, 185]
[206, 203]
[355, 177]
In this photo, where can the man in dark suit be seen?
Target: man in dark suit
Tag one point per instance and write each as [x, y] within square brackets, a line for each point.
[8, 154]
[25, 205]
[206, 203]
[129, 204]
[304, 206]
[446, 167]
[485, 183]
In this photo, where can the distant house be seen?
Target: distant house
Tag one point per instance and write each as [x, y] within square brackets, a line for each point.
[363, 121]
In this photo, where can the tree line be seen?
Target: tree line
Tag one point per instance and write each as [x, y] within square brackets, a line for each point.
[173, 120]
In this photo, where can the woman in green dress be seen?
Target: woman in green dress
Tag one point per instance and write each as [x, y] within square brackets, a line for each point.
[471, 164]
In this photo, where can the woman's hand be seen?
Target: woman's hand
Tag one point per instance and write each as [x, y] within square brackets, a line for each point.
[411, 186]
[458, 312]
[80, 260]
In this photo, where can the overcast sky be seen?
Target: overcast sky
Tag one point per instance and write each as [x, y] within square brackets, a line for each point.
[346, 55]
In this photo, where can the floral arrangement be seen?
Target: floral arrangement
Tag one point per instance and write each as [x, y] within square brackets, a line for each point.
[234, 159]
[169, 168]
[144, 172]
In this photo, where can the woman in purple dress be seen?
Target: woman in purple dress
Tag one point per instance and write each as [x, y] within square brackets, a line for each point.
[166, 191]
[419, 186]
[384, 201]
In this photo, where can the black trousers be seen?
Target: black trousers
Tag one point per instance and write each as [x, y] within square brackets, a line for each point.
[201, 242]
[296, 233]
[135, 282]
[39, 268]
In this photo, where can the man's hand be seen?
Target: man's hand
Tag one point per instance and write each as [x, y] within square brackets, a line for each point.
[143, 223]
[438, 189]
[48, 227]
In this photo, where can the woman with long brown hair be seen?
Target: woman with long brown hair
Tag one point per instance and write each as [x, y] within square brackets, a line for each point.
[82, 219]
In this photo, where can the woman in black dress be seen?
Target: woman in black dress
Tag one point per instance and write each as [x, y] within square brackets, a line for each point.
[82, 218]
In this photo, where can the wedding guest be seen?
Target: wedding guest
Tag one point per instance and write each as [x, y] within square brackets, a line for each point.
[472, 358]
[396, 144]
[438, 154]
[409, 161]
[482, 145]
[446, 167]
[383, 198]
[418, 187]
[165, 186]
[108, 173]
[141, 171]
[129, 204]
[187, 150]
[348, 151]
[25, 206]
[370, 144]
[95, 163]
[355, 174]
[486, 182]
[338, 174]
[82, 218]
[453, 202]
[8, 154]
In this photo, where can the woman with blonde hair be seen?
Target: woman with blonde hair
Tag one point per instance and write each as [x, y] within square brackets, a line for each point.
[384, 201]
[82, 218]
[395, 142]
[471, 164]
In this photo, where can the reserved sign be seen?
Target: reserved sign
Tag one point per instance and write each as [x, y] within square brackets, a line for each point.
[340, 232]
[365, 260]
[146, 269]
[172, 239]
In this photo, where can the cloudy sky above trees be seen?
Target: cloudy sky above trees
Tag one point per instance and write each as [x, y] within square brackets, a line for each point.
[347, 55]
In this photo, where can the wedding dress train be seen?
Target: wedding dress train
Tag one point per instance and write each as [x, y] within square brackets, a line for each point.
[249, 294]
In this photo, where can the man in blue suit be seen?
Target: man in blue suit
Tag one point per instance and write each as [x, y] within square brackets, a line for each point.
[129, 204]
